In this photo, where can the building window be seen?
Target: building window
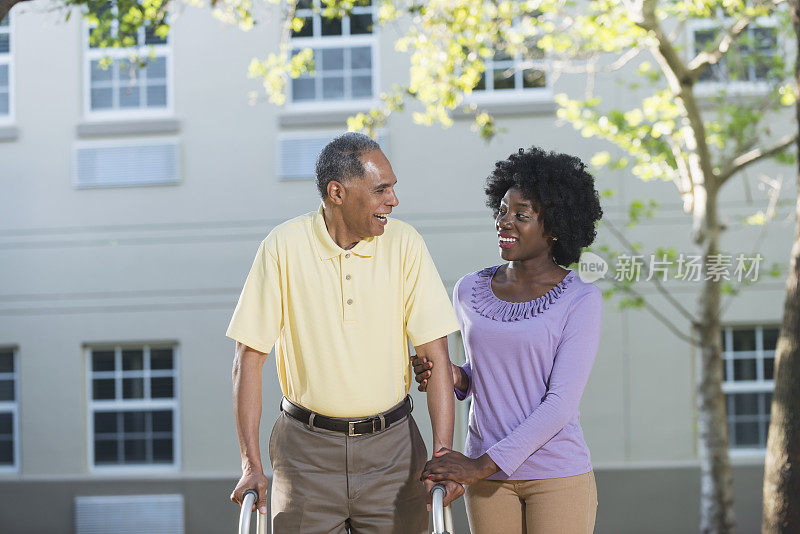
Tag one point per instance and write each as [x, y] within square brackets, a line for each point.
[5, 68]
[117, 84]
[9, 447]
[750, 58]
[343, 53]
[506, 73]
[748, 357]
[133, 405]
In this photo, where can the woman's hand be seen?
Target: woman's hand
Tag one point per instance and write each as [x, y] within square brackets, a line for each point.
[451, 465]
[422, 371]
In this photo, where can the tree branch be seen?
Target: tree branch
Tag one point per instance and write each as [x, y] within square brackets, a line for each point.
[683, 178]
[6, 5]
[657, 314]
[682, 85]
[661, 289]
[661, 317]
[703, 59]
[748, 158]
[677, 69]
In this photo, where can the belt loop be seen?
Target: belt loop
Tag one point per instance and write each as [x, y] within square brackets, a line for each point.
[311, 420]
[411, 401]
[383, 422]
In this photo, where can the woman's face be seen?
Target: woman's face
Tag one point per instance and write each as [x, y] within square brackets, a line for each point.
[520, 231]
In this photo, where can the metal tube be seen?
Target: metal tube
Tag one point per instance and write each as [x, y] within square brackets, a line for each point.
[448, 520]
[250, 497]
[438, 492]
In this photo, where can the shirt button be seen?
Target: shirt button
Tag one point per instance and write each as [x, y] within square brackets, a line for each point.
[349, 301]
[347, 255]
[347, 277]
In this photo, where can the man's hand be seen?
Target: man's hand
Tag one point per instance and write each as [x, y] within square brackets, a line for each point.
[252, 480]
[453, 490]
[422, 371]
[447, 465]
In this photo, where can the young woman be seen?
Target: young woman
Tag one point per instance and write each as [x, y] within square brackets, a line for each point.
[531, 329]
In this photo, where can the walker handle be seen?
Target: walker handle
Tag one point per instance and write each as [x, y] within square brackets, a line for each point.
[438, 492]
[250, 497]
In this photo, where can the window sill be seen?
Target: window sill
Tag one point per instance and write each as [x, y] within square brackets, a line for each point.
[510, 104]
[127, 127]
[9, 133]
[323, 113]
[740, 92]
[133, 471]
[748, 456]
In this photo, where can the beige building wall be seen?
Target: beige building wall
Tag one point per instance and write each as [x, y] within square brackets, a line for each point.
[166, 263]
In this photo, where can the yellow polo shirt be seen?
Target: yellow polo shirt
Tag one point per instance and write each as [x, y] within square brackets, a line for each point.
[342, 318]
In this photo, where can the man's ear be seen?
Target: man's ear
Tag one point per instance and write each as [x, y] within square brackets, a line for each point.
[336, 192]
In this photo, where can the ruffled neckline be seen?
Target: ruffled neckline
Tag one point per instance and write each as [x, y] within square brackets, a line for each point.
[488, 305]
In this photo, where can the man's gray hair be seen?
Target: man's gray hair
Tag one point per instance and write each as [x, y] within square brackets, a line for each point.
[340, 159]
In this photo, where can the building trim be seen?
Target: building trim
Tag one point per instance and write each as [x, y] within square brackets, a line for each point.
[133, 127]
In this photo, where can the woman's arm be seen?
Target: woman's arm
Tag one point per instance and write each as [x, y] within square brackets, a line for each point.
[573, 362]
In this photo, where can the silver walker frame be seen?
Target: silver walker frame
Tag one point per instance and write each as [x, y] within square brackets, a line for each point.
[442, 516]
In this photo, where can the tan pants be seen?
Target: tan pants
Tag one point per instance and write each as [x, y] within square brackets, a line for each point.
[548, 506]
[325, 481]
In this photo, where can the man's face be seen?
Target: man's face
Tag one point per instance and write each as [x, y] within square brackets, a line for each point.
[369, 200]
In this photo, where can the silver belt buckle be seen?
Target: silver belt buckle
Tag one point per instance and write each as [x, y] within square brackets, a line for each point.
[351, 428]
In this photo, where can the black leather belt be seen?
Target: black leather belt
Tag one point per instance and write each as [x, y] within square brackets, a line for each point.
[351, 427]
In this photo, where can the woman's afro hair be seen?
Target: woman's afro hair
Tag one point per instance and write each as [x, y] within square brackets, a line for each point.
[562, 193]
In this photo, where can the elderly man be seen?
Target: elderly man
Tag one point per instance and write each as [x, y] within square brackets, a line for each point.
[340, 291]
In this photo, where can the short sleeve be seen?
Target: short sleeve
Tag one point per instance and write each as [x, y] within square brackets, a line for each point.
[258, 318]
[428, 312]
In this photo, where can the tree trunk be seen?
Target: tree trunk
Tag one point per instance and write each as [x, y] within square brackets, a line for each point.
[716, 478]
[782, 465]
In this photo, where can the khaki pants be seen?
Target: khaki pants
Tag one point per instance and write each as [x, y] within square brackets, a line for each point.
[325, 482]
[548, 506]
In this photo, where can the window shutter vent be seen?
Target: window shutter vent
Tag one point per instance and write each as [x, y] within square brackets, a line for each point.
[298, 155]
[129, 514]
[125, 165]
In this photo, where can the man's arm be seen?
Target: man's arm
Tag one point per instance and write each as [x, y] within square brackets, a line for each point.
[441, 405]
[441, 408]
[247, 366]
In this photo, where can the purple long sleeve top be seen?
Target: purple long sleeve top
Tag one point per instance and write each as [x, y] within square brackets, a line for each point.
[528, 364]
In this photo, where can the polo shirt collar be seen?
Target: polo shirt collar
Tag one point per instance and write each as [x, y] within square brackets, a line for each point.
[327, 247]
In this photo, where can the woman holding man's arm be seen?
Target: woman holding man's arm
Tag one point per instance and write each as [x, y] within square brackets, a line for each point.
[531, 330]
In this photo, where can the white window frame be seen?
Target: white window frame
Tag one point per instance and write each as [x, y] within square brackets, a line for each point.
[143, 51]
[137, 405]
[8, 59]
[517, 94]
[706, 88]
[12, 407]
[760, 385]
[318, 41]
